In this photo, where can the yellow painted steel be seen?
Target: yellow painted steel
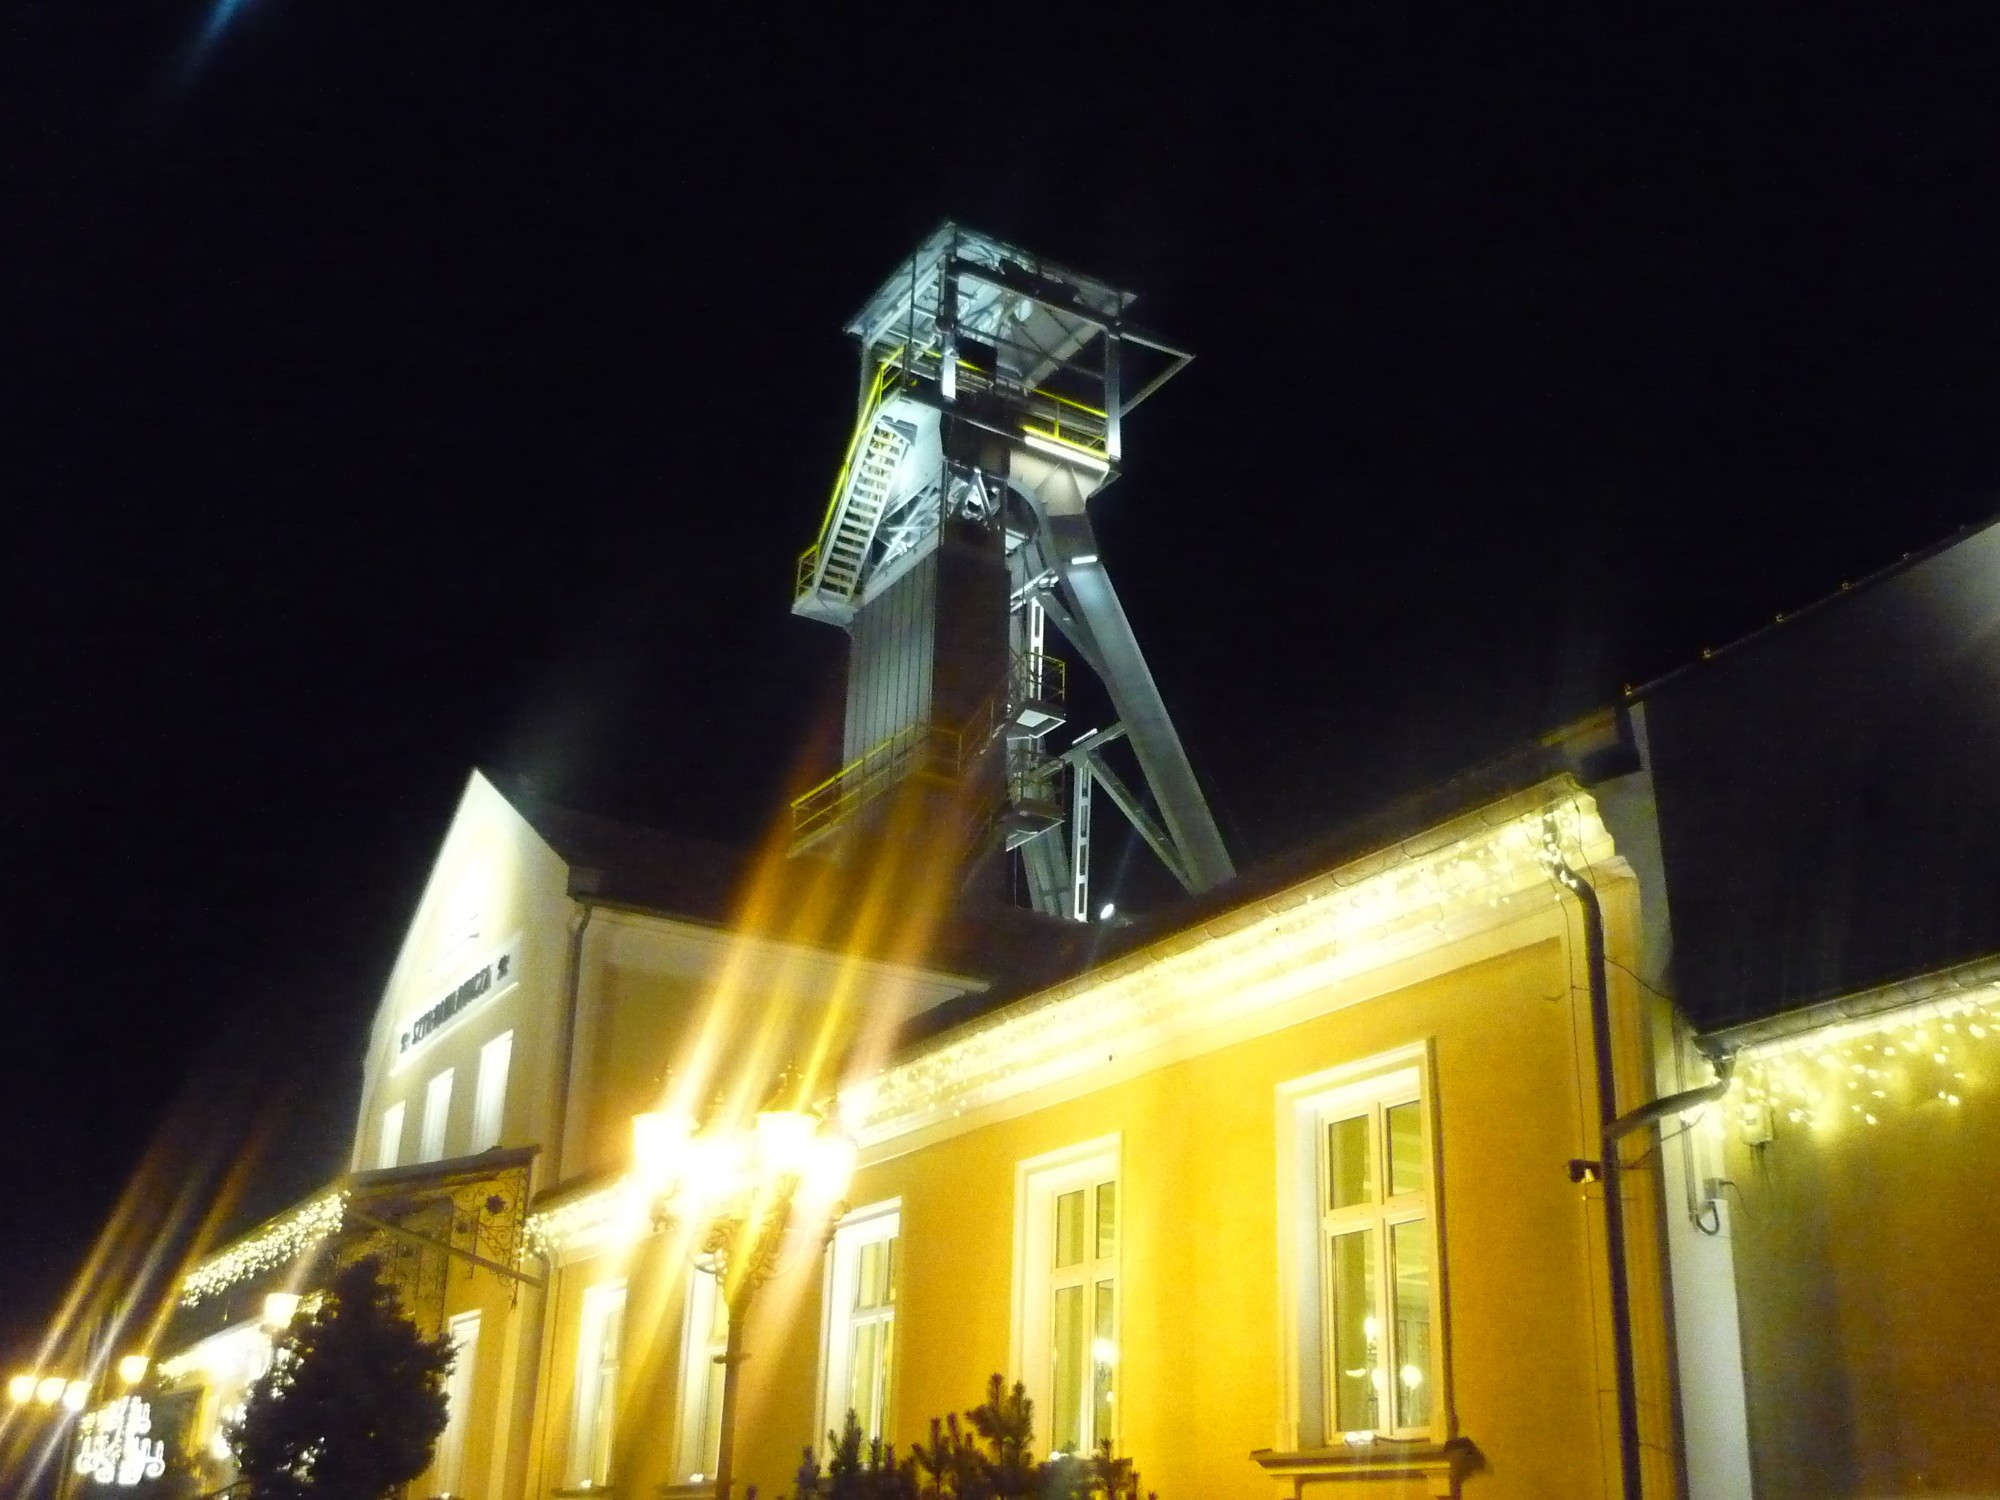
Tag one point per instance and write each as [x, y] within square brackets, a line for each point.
[809, 559]
[1091, 443]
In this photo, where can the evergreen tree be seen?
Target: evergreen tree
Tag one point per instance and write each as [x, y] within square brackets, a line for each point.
[991, 1459]
[353, 1402]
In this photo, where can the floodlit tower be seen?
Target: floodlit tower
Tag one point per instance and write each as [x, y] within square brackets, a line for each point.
[994, 386]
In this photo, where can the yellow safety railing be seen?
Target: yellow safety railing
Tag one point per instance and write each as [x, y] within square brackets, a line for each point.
[1085, 429]
[1041, 677]
[922, 749]
[910, 751]
[808, 568]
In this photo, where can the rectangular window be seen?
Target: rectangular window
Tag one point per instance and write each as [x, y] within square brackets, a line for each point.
[1066, 1284]
[450, 1467]
[1362, 1283]
[489, 1102]
[704, 1340]
[389, 1145]
[858, 1348]
[598, 1345]
[437, 1114]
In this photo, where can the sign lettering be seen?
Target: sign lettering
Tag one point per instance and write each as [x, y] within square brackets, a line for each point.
[497, 973]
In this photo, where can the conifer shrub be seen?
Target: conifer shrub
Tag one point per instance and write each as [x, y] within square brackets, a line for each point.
[353, 1402]
[988, 1456]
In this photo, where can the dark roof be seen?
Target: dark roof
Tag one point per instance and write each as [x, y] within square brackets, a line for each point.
[1825, 792]
[1591, 750]
[615, 863]
[1794, 617]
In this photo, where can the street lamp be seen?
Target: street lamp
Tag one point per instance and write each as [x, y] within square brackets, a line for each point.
[739, 1193]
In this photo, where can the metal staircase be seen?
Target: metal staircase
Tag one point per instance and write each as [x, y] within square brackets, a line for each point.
[994, 387]
[860, 509]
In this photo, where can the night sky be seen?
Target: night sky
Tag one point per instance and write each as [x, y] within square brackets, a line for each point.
[397, 389]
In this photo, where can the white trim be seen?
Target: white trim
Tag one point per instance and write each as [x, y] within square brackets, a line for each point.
[489, 1101]
[432, 1144]
[861, 1226]
[448, 1470]
[389, 1142]
[1037, 1181]
[697, 1362]
[1301, 1103]
[603, 1312]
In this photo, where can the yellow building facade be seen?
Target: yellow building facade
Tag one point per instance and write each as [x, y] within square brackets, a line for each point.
[1299, 1198]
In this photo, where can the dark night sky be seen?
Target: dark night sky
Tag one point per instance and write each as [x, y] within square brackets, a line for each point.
[394, 389]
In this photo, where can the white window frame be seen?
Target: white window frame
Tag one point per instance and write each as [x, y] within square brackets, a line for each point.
[437, 1116]
[489, 1099]
[1038, 1182]
[695, 1455]
[1306, 1106]
[449, 1469]
[600, 1343]
[389, 1144]
[873, 1224]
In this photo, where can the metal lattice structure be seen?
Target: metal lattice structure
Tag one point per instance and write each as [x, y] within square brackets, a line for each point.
[992, 399]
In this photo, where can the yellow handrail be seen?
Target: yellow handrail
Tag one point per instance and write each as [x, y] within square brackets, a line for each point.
[809, 559]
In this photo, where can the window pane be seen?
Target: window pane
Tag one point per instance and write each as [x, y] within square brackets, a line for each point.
[1069, 1228]
[711, 1417]
[870, 1276]
[863, 1375]
[889, 1271]
[883, 1385]
[1406, 1147]
[1356, 1332]
[1350, 1177]
[1103, 1360]
[1065, 1425]
[1107, 1219]
[1410, 1253]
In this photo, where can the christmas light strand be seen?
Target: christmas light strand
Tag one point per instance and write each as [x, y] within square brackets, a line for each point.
[1926, 1055]
[277, 1243]
[557, 1229]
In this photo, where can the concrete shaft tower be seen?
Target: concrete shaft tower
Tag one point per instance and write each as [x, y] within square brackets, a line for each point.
[992, 398]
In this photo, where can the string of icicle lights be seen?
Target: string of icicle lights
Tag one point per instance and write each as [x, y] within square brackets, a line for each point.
[278, 1243]
[1858, 1072]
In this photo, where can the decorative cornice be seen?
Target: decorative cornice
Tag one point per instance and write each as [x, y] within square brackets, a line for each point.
[1459, 878]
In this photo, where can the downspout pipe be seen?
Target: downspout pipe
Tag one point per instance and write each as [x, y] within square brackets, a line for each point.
[1674, 1104]
[1631, 1485]
[582, 887]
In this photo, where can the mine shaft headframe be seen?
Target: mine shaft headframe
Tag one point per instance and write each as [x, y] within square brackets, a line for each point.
[1032, 352]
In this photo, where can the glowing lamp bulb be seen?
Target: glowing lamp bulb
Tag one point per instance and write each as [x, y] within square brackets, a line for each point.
[279, 1310]
[21, 1389]
[832, 1167]
[713, 1169]
[49, 1390]
[75, 1395]
[133, 1367]
[785, 1142]
[659, 1144]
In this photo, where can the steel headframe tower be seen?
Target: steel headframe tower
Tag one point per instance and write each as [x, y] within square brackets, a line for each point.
[993, 392]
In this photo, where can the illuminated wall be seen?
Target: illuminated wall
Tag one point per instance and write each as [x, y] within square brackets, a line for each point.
[1453, 948]
[1859, 1162]
[485, 955]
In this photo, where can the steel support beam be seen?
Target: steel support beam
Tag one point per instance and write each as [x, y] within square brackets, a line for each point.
[1162, 758]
